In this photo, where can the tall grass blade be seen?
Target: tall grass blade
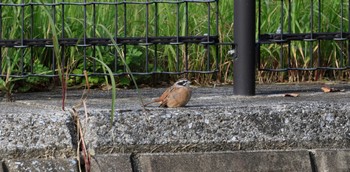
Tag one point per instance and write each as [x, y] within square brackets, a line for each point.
[121, 55]
[110, 73]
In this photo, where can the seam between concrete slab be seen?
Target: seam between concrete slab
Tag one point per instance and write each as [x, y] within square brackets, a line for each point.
[312, 161]
[134, 162]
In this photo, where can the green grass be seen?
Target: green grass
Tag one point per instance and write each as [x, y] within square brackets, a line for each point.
[167, 21]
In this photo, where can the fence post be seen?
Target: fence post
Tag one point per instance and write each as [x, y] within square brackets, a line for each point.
[244, 38]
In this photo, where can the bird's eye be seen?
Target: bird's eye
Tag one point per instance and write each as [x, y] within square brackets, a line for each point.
[181, 83]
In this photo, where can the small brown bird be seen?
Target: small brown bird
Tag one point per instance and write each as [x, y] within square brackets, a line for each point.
[177, 95]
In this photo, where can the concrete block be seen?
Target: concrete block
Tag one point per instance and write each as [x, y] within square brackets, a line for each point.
[296, 125]
[111, 163]
[332, 160]
[225, 161]
[68, 165]
[36, 135]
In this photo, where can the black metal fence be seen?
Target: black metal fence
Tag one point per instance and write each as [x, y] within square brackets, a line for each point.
[20, 45]
[118, 40]
[322, 32]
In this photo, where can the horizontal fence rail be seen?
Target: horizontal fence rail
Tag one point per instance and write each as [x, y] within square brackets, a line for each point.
[110, 42]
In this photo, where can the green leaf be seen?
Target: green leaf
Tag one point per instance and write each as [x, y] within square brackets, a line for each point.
[124, 81]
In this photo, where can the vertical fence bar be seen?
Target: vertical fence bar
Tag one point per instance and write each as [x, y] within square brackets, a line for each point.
[216, 33]
[186, 34]
[282, 30]
[85, 28]
[0, 37]
[348, 31]
[22, 39]
[289, 31]
[282, 20]
[125, 32]
[258, 46]
[244, 38]
[94, 36]
[156, 34]
[341, 18]
[177, 36]
[342, 35]
[31, 37]
[53, 8]
[319, 41]
[311, 19]
[116, 36]
[311, 33]
[207, 47]
[147, 34]
[289, 16]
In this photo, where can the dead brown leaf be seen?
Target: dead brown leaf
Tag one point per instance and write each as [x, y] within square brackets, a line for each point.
[327, 89]
[106, 87]
[291, 95]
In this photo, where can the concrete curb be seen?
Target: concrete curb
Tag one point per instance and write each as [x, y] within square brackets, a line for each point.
[270, 160]
[258, 127]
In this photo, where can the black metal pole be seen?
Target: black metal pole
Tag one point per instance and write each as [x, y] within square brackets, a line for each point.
[244, 38]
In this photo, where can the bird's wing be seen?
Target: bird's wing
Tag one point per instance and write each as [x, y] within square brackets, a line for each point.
[163, 99]
[165, 94]
[179, 97]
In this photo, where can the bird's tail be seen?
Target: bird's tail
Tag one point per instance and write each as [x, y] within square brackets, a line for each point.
[148, 103]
